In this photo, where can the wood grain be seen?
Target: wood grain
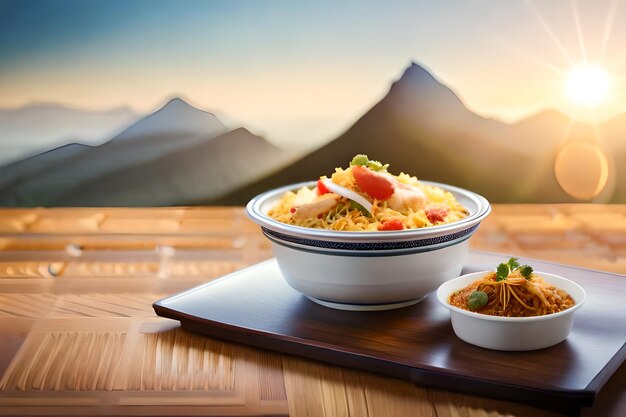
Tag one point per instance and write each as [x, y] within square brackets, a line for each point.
[103, 305]
[70, 274]
[31, 306]
[179, 360]
[59, 361]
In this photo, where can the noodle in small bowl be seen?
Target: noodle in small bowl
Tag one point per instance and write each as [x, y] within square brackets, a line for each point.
[511, 333]
[368, 270]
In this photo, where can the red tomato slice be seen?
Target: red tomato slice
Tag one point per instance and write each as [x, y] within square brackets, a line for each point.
[436, 214]
[321, 188]
[376, 185]
[393, 224]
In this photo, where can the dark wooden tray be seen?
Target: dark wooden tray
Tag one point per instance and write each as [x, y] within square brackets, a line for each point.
[256, 307]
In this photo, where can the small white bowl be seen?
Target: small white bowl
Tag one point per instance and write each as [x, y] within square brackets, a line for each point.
[511, 333]
[368, 270]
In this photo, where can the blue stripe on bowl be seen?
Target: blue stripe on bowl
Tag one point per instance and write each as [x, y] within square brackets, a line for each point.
[369, 246]
[366, 253]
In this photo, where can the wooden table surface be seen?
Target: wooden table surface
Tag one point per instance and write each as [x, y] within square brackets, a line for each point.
[78, 335]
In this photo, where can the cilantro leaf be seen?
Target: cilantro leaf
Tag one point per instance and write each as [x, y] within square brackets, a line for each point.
[513, 264]
[526, 271]
[502, 272]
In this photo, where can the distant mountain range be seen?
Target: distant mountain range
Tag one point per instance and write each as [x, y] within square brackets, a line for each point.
[27, 130]
[421, 127]
[176, 155]
[181, 155]
[196, 172]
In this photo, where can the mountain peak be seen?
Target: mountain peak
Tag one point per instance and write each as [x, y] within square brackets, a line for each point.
[418, 88]
[177, 102]
[415, 73]
[175, 117]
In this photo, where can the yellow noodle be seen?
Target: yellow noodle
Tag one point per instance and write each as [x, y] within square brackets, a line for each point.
[343, 218]
[515, 296]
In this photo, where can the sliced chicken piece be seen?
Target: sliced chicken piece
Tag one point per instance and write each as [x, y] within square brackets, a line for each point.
[320, 205]
[305, 195]
[407, 198]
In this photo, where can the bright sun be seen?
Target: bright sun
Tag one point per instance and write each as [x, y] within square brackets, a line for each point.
[588, 85]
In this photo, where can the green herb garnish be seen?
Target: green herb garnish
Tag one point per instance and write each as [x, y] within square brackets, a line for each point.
[513, 264]
[363, 160]
[477, 299]
[502, 272]
[505, 269]
[526, 271]
[359, 159]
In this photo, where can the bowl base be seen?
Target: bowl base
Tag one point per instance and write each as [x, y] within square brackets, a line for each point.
[364, 307]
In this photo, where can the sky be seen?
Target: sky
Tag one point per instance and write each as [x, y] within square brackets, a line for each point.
[302, 72]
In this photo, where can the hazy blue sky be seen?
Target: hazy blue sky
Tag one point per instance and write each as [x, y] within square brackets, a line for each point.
[304, 70]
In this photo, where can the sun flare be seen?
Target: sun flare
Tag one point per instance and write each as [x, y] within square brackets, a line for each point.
[588, 85]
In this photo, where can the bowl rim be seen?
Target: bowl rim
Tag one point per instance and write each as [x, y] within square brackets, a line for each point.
[443, 299]
[253, 209]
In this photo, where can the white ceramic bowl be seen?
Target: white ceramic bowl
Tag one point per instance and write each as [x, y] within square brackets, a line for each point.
[368, 270]
[511, 333]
